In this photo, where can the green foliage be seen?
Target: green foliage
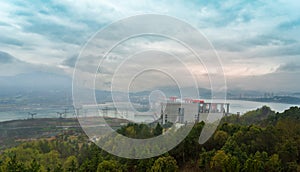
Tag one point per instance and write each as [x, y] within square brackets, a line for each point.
[219, 161]
[273, 164]
[233, 164]
[34, 166]
[252, 117]
[189, 148]
[13, 165]
[158, 130]
[145, 164]
[272, 144]
[220, 138]
[165, 164]
[71, 164]
[109, 166]
[140, 131]
[51, 160]
[205, 159]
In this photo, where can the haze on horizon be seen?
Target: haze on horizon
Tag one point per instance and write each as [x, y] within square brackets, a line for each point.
[257, 41]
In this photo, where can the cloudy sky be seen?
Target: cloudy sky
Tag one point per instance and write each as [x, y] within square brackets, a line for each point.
[258, 41]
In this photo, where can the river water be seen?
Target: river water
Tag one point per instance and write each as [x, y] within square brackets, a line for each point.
[244, 106]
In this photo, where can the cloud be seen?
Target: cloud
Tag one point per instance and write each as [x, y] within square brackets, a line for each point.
[265, 40]
[288, 25]
[289, 67]
[253, 38]
[70, 62]
[11, 41]
[272, 82]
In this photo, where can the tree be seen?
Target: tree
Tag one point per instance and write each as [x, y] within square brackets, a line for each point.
[220, 138]
[51, 160]
[130, 132]
[291, 167]
[274, 163]
[255, 163]
[219, 161]
[109, 166]
[205, 158]
[71, 164]
[57, 168]
[14, 166]
[165, 164]
[233, 164]
[145, 164]
[34, 166]
[143, 131]
[158, 130]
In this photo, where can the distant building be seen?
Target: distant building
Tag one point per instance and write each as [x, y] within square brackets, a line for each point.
[190, 111]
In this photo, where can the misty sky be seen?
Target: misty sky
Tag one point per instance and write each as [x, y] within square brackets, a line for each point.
[258, 41]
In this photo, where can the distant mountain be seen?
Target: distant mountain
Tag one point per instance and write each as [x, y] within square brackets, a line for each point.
[10, 65]
[276, 99]
[35, 81]
[6, 58]
[296, 95]
[188, 91]
[233, 93]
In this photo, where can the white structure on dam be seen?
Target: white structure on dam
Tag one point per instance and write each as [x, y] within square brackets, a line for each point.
[191, 110]
[172, 111]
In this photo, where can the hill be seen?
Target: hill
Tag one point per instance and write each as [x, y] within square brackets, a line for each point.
[263, 116]
[13, 132]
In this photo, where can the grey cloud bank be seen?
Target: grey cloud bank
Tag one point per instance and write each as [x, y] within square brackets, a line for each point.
[257, 41]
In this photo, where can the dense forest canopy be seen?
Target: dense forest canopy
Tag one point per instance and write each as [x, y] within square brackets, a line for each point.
[260, 140]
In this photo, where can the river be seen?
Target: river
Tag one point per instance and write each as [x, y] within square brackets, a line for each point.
[235, 107]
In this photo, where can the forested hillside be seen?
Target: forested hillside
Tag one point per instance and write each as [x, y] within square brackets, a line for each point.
[261, 140]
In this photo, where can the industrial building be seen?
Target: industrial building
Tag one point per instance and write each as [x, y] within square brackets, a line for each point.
[173, 111]
[190, 110]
